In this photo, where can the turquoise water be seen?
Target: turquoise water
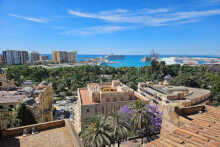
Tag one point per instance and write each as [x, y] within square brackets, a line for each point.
[132, 60]
[129, 60]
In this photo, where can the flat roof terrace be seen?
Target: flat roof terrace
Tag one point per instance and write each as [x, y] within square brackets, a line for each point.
[50, 138]
[60, 136]
[189, 96]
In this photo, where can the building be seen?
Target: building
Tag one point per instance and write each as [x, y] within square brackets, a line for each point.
[64, 108]
[164, 94]
[1, 59]
[15, 57]
[4, 83]
[197, 126]
[8, 101]
[101, 98]
[35, 57]
[44, 58]
[51, 134]
[38, 98]
[64, 57]
[187, 121]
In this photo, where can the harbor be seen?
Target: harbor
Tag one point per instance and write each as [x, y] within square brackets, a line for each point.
[118, 61]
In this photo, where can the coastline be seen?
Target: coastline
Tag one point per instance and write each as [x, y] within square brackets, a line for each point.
[135, 60]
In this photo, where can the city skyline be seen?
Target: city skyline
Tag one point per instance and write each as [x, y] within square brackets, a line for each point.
[131, 27]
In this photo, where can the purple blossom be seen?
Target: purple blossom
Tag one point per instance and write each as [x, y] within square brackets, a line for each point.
[126, 110]
[153, 112]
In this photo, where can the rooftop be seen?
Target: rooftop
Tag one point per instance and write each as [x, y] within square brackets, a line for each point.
[202, 130]
[58, 136]
[85, 99]
[11, 99]
[55, 138]
[175, 94]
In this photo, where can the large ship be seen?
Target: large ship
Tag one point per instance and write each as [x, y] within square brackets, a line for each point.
[153, 56]
[114, 57]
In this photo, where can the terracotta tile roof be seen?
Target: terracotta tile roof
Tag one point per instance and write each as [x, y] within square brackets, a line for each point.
[84, 94]
[202, 131]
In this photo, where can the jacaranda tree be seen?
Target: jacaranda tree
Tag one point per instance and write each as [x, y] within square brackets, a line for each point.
[145, 119]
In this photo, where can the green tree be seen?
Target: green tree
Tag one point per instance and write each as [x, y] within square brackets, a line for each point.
[119, 127]
[140, 119]
[97, 133]
[24, 115]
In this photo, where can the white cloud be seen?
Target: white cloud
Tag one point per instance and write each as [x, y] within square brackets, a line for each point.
[76, 13]
[33, 19]
[147, 17]
[160, 10]
[188, 21]
[96, 30]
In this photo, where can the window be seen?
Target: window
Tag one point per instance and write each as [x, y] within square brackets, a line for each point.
[1, 107]
[11, 106]
[87, 110]
[0, 84]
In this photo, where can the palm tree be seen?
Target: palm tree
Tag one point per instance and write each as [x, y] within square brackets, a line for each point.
[97, 133]
[119, 127]
[140, 119]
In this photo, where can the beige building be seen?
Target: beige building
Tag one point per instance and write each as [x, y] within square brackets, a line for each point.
[180, 105]
[64, 57]
[164, 94]
[35, 57]
[8, 102]
[101, 98]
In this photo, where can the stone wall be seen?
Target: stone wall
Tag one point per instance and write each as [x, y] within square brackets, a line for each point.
[39, 127]
[190, 110]
[75, 138]
[89, 111]
[114, 96]
[174, 116]
[170, 119]
[77, 113]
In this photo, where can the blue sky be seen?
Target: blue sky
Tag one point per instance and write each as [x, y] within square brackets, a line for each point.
[106, 26]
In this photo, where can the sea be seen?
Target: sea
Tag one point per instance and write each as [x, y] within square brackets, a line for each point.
[135, 60]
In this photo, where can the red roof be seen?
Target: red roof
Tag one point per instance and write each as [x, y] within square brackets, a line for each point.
[202, 131]
[84, 94]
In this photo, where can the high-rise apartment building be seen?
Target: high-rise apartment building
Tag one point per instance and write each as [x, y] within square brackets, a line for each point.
[44, 58]
[15, 57]
[64, 57]
[35, 56]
